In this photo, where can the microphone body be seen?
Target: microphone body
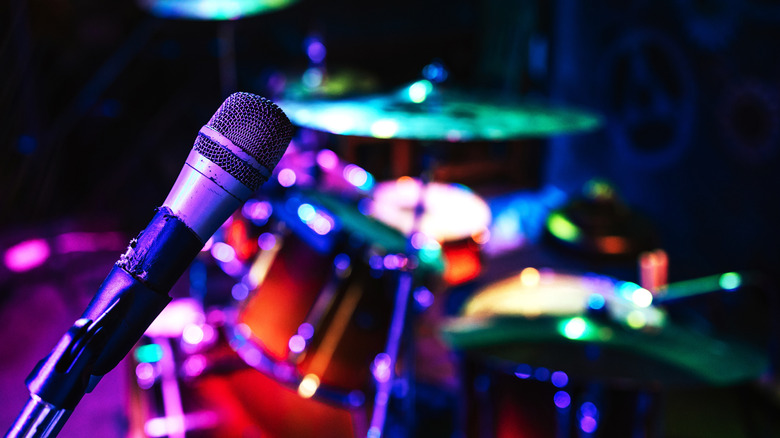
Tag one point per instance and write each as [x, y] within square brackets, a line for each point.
[233, 155]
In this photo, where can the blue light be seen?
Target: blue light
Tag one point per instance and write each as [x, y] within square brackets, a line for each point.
[596, 301]
[341, 262]
[626, 289]
[559, 379]
[306, 212]
[435, 72]
[26, 144]
[589, 417]
[542, 374]
[523, 371]
[562, 399]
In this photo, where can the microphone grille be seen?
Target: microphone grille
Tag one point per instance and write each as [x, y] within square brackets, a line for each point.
[254, 124]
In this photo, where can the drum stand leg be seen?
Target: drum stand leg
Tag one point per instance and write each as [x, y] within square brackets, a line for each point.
[384, 365]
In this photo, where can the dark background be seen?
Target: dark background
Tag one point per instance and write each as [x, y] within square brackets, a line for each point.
[101, 102]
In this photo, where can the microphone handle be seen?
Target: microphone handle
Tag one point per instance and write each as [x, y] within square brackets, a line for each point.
[127, 302]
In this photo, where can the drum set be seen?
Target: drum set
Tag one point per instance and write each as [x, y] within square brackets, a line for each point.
[322, 307]
[325, 306]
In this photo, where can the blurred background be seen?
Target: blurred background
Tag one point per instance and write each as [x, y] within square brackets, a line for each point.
[645, 151]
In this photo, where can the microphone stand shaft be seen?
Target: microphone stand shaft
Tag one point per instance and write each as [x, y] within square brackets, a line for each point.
[38, 419]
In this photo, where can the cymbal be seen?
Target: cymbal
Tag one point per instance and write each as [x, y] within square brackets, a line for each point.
[212, 9]
[422, 111]
[595, 328]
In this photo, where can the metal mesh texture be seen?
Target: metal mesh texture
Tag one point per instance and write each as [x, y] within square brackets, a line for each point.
[254, 124]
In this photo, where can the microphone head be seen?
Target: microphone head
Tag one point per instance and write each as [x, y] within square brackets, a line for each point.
[259, 130]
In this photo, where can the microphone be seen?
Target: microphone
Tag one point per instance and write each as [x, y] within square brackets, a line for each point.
[234, 153]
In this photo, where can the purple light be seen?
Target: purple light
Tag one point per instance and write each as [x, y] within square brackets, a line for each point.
[327, 159]
[239, 291]
[423, 297]
[523, 371]
[194, 365]
[306, 330]
[376, 262]
[88, 242]
[588, 424]
[392, 262]
[145, 374]
[381, 367]
[589, 415]
[559, 379]
[223, 252]
[316, 51]
[419, 240]
[286, 177]
[321, 224]
[297, 344]
[562, 399]
[356, 175]
[144, 371]
[266, 241]
[233, 268]
[257, 211]
[27, 255]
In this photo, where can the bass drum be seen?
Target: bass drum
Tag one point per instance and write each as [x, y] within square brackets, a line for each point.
[187, 381]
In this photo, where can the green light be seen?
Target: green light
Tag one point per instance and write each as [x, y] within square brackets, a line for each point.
[573, 328]
[384, 128]
[420, 90]
[429, 254]
[730, 281]
[149, 353]
[636, 319]
[562, 228]
[599, 189]
[212, 9]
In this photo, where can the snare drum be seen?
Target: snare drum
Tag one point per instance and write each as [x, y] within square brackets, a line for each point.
[453, 216]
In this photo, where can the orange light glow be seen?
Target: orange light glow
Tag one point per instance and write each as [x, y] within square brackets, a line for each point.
[530, 277]
[463, 264]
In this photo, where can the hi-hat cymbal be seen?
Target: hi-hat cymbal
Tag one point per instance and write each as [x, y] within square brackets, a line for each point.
[212, 9]
[422, 111]
[595, 328]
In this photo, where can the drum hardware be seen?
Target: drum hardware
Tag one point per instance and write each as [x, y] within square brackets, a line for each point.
[599, 223]
[310, 288]
[620, 343]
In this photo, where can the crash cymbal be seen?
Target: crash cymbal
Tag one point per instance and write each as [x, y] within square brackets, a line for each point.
[212, 9]
[422, 111]
[595, 328]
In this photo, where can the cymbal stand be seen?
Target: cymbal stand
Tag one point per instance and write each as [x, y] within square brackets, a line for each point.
[384, 365]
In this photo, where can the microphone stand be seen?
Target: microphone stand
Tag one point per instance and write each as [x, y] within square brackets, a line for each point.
[116, 318]
[73, 367]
